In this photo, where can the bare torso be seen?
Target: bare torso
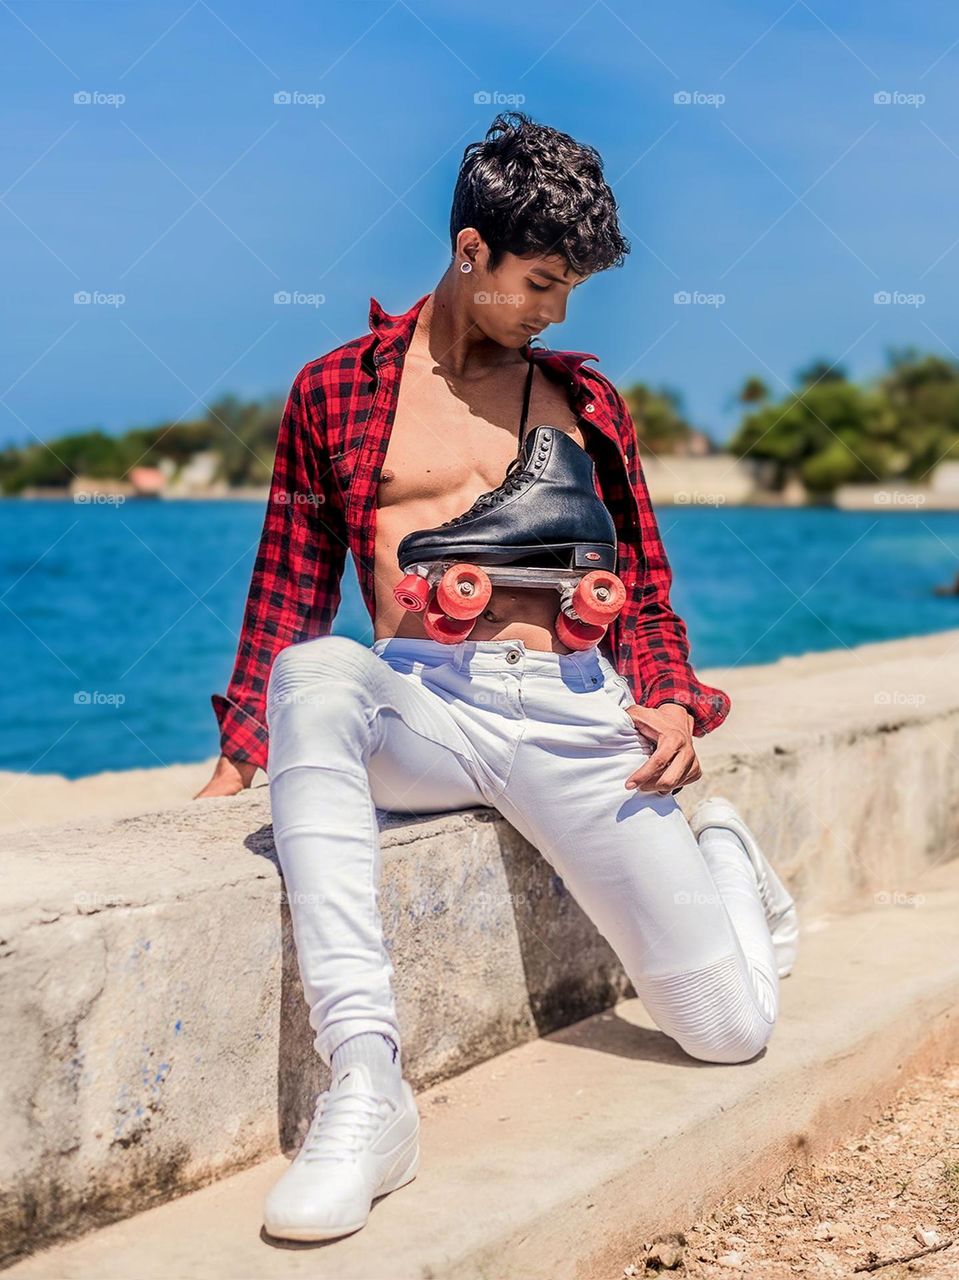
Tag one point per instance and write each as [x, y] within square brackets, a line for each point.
[450, 442]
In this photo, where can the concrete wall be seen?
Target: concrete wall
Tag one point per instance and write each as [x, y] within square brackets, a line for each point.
[154, 1030]
[713, 480]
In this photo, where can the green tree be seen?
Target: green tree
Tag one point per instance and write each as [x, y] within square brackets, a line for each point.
[831, 434]
[923, 392]
[660, 423]
[753, 391]
[246, 435]
[819, 371]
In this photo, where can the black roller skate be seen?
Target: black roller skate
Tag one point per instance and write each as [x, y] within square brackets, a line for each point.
[544, 526]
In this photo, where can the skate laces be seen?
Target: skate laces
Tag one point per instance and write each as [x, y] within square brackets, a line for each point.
[343, 1124]
[511, 484]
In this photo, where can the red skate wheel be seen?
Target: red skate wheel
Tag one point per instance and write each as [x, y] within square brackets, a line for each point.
[576, 634]
[598, 597]
[463, 591]
[412, 593]
[446, 630]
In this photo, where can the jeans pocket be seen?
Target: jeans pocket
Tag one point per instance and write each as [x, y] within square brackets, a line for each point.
[619, 689]
[623, 686]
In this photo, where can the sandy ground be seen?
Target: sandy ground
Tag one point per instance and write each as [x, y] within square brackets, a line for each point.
[891, 1192]
[30, 800]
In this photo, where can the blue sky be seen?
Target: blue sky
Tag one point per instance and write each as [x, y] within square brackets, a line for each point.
[796, 199]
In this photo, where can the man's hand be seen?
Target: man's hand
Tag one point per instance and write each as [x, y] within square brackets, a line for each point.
[229, 777]
[673, 764]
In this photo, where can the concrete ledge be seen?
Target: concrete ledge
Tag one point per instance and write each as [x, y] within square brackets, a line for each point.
[155, 1030]
[560, 1158]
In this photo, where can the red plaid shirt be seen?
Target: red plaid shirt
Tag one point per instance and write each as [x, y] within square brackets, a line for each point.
[322, 503]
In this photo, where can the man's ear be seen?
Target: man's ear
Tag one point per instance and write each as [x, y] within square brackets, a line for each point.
[471, 245]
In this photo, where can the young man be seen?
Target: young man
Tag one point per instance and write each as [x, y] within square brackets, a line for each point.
[399, 430]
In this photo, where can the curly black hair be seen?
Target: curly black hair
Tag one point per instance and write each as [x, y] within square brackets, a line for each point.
[529, 189]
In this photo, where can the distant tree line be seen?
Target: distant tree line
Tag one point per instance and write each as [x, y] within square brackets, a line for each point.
[828, 431]
[243, 434]
[831, 431]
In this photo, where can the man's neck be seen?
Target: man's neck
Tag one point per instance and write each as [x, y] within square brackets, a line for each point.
[452, 340]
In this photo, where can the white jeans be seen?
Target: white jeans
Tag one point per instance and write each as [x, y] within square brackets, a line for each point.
[413, 726]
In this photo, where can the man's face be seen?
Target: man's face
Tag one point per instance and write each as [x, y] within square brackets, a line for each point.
[524, 295]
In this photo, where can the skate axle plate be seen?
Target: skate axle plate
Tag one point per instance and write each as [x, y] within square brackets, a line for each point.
[507, 575]
[452, 593]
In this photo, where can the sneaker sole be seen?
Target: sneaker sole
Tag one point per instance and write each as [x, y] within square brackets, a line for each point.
[315, 1234]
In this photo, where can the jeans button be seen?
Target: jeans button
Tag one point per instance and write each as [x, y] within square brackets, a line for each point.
[512, 655]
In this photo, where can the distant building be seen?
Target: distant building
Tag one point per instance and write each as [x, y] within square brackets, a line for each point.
[148, 482]
[696, 445]
[945, 478]
[198, 477]
[712, 480]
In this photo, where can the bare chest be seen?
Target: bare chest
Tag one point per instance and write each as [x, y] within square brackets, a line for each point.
[450, 442]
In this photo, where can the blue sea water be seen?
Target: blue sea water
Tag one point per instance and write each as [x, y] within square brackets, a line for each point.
[120, 621]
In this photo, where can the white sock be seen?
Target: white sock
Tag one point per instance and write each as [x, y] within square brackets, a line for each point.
[379, 1053]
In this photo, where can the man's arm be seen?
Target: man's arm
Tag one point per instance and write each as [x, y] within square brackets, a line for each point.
[653, 643]
[295, 588]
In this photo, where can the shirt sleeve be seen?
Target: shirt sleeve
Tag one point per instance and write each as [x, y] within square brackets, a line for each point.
[654, 648]
[295, 587]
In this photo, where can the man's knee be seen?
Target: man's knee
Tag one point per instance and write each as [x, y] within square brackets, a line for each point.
[731, 1043]
[326, 660]
[317, 704]
[711, 1013]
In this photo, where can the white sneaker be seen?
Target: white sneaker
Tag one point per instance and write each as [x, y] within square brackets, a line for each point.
[780, 907]
[360, 1145]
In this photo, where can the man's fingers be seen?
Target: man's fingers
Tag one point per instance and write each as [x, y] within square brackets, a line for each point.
[666, 769]
[670, 778]
[647, 777]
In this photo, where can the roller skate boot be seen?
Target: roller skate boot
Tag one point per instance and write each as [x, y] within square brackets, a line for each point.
[544, 526]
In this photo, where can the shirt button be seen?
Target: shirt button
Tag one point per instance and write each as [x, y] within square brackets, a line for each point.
[513, 655]
[590, 408]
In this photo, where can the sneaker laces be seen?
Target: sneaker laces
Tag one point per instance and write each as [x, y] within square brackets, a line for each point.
[343, 1124]
[511, 484]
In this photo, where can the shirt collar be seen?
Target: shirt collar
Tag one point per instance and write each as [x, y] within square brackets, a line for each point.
[393, 335]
